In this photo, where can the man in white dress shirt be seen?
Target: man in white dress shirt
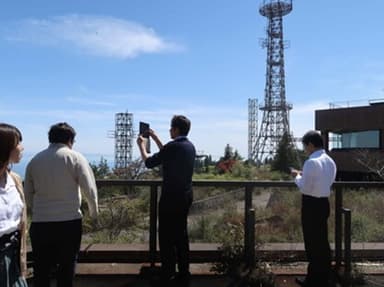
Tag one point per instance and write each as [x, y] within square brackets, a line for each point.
[314, 182]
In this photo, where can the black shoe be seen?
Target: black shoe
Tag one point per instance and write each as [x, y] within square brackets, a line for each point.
[304, 283]
[300, 281]
[182, 279]
[159, 281]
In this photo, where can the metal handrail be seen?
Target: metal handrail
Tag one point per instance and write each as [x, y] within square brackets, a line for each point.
[249, 187]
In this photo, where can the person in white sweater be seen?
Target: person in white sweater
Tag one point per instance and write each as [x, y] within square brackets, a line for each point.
[55, 180]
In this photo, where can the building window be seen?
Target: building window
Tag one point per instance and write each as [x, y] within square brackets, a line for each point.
[363, 139]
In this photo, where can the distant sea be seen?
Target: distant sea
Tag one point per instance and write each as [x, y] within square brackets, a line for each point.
[92, 158]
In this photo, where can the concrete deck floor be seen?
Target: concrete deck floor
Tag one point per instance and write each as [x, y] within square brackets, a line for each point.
[127, 275]
[197, 281]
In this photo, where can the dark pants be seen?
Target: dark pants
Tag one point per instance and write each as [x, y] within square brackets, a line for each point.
[314, 217]
[55, 246]
[10, 261]
[173, 235]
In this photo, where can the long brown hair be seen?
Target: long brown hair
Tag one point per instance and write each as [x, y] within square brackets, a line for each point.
[10, 136]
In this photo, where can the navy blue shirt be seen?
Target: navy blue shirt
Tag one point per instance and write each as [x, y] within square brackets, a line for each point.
[177, 159]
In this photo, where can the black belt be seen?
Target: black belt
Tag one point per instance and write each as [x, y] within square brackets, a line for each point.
[9, 239]
[314, 197]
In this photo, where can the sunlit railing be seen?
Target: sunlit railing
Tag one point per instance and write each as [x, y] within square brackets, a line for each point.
[342, 218]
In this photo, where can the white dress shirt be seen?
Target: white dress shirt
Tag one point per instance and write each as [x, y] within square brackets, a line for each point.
[319, 173]
[11, 207]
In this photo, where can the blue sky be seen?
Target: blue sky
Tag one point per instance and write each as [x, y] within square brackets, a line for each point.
[83, 61]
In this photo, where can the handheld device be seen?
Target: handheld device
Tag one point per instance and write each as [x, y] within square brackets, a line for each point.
[144, 129]
[144, 132]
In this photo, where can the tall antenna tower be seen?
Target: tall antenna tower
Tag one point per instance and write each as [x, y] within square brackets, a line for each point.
[252, 127]
[275, 121]
[123, 140]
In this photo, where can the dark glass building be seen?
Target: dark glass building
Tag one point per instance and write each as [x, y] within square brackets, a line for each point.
[354, 138]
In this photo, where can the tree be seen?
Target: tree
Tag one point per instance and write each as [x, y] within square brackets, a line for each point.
[373, 162]
[228, 152]
[230, 158]
[101, 170]
[203, 163]
[117, 215]
[286, 155]
[135, 170]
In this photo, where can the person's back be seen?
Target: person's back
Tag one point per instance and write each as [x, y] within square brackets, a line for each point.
[53, 181]
[177, 159]
[55, 176]
[319, 173]
[178, 162]
[327, 169]
[314, 182]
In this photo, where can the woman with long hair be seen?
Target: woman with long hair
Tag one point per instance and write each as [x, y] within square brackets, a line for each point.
[13, 215]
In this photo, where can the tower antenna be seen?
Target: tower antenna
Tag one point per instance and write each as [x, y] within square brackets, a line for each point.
[275, 119]
[123, 140]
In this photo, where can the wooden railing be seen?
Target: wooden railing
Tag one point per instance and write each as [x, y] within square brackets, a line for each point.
[342, 215]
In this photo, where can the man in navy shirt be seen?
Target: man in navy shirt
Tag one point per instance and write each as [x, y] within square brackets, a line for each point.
[177, 159]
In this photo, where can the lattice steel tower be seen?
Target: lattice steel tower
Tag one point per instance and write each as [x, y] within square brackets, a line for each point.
[252, 127]
[123, 140]
[275, 121]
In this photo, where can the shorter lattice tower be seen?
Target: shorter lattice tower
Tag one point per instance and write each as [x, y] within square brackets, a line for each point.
[252, 127]
[123, 140]
[275, 120]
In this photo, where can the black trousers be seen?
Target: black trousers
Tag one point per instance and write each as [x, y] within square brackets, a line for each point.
[10, 274]
[55, 247]
[173, 235]
[314, 218]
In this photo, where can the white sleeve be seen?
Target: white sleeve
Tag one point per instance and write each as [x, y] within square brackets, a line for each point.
[306, 180]
[87, 185]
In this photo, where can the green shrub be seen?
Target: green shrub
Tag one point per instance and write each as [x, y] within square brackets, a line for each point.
[117, 222]
[232, 261]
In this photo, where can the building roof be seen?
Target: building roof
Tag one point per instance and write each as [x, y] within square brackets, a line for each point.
[351, 118]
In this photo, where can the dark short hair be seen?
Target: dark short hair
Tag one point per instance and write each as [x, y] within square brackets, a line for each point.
[10, 137]
[314, 138]
[61, 133]
[182, 123]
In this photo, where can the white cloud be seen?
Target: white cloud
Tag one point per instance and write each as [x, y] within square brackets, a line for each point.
[89, 102]
[97, 35]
